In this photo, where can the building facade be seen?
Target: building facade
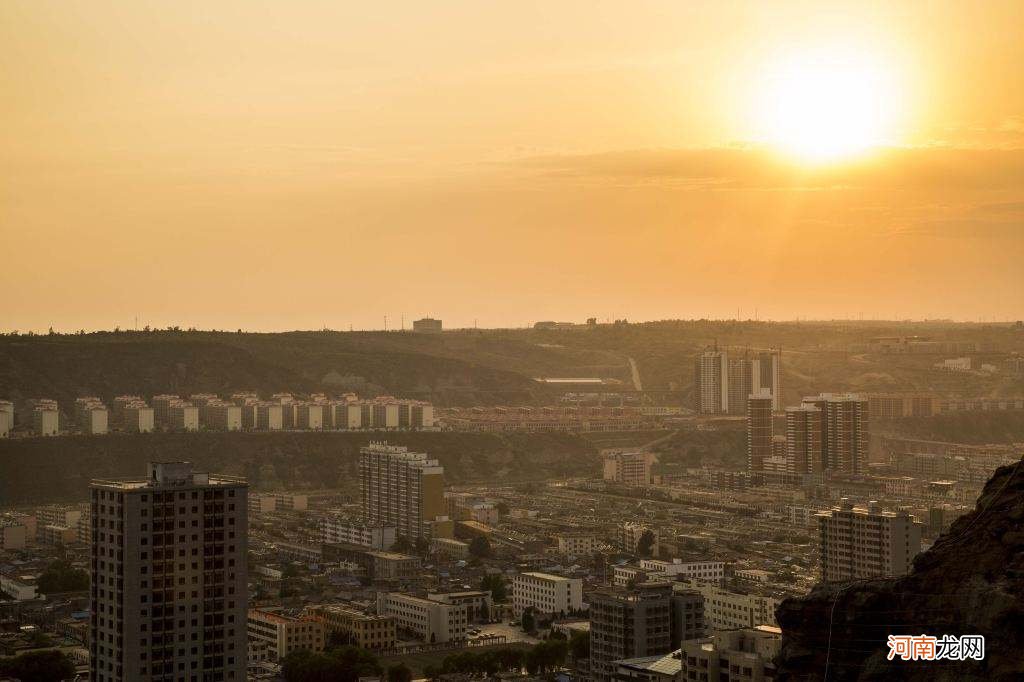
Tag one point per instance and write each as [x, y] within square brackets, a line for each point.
[169, 591]
[866, 543]
[404, 490]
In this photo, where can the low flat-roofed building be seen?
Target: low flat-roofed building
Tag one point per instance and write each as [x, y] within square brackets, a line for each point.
[431, 621]
[478, 603]
[57, 536]
[335, 529]
[284, 633]
[745, 654]
[546, 593]
[658, 668]
[364, 630]
[19, 587]
[448, 548]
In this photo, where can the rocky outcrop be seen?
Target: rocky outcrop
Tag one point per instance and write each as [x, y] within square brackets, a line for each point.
[971, 582]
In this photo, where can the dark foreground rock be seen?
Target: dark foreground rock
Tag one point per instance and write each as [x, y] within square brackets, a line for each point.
[971, 582]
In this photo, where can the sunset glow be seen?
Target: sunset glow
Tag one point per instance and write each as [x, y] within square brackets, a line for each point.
[826, 106]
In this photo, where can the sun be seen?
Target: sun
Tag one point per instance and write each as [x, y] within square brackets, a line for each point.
[826, 106]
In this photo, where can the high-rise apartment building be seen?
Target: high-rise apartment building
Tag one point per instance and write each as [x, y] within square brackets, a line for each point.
[628, 623]
[766, 376]
[168, 594]
[803, 439]
[760, 430]
[403, 489]
[722, 382]
[739, 383]
[866, 543]
[844, 431]
[711, 382]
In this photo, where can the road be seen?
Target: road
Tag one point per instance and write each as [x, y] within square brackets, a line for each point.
[637, 386]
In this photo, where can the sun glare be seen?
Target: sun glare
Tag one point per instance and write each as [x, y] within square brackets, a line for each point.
[823, 107]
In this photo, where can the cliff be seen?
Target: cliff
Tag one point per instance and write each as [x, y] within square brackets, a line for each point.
[971, 582]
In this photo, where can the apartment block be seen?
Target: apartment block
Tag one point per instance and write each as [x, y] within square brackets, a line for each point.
[844, 435]
[364, 630]
[577, 544]
[335, 529]
[45, 417]
[13, 534]
[430, 621]
[52, 535]
[162, 409]
[727, 610]
[746, 654]
[628, 623]
[632, 532]
[711, 382]
[546, 593]
[760, 430]
[169, 591]
[183, 416]
[866, 542]
[219, 415]
[708, 571]
[628, 468]
[804, 431]
[479, 604]
[136, 417]
[404, 490]
[91, 415]
[284, 633]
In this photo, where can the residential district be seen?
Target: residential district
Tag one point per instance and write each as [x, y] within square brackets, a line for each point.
[183, 574]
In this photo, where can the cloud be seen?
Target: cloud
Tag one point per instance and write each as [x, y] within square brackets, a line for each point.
[932, 169]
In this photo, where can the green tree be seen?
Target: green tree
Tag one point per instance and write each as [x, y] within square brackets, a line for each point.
[529, 621]
[480, 547]
[402, 545]
[399, 672]
[343, 664]
[61, 576]
[502, 508]
[579, 645]
[645, 544]
[495, 583]
[38, 666]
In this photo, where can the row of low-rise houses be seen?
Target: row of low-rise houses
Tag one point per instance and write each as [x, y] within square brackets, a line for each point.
[207, 411]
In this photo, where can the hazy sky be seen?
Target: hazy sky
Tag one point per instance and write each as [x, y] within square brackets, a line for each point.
[278, 165]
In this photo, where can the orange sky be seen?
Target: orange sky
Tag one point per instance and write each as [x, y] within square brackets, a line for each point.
[278, 165]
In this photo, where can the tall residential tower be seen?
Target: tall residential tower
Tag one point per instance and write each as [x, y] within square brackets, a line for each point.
[169, 589]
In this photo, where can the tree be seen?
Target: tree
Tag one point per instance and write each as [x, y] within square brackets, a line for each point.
[502, 508]
[402, 545]
[343, 664]
[61, 576]
[496, 585]
[480, 547]
[579, 645]
[645, 544]
[529, 622]
[484, 614]
[399, 672]
[38, 666]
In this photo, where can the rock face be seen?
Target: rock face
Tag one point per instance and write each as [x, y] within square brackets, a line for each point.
[971, 582]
